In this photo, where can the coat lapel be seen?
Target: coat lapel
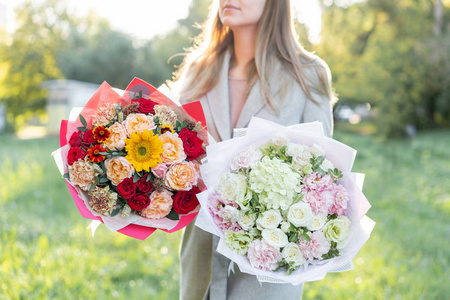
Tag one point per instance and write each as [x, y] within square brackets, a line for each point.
[255, 101]
[219, 103]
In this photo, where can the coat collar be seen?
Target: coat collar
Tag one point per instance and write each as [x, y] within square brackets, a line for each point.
[219, 101]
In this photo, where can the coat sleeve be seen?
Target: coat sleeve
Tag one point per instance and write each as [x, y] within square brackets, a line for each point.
[321, 108]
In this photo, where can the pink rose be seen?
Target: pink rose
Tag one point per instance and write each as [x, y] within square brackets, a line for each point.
[315, 248]
[160, 171]
[263, 256]
[340, 197]
[317, 182]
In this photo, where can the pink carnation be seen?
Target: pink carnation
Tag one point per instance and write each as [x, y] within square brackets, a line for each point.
[315, 248]
[246, 159]
[216, 204]
[340, 197]
[317, 182]
[319, 202]
[263, 256]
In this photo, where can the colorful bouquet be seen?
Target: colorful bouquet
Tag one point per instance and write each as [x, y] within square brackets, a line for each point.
[133, 161]
[283, 203]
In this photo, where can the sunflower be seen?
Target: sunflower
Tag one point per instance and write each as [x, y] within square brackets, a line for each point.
[101, 134]
[166, 128]
[143, 150]
[94, 155]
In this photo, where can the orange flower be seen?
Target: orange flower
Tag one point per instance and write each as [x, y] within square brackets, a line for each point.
[94, 155]
[173, 148]
[160, 205]
[181, 176]
[166, 128]
[101, 134]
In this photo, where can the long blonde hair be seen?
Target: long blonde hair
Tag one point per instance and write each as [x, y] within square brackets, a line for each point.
[276, 40]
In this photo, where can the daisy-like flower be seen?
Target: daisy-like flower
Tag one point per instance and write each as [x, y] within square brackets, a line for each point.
[94, 154]
[144, 150]
[166, 128]
[101, 134]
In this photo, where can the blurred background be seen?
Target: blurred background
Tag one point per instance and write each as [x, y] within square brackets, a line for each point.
[390, 62]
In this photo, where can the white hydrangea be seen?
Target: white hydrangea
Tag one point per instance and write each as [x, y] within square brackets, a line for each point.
[276, 183]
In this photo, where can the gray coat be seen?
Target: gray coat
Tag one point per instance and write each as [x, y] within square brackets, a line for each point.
[204, 272]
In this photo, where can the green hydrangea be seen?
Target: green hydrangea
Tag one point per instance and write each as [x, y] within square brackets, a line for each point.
[276, 182]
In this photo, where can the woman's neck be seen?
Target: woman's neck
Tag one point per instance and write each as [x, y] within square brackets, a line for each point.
[244, 50]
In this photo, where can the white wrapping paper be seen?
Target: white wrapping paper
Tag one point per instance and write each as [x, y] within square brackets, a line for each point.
[342, 156]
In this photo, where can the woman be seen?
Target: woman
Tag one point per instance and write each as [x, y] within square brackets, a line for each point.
[247, 62]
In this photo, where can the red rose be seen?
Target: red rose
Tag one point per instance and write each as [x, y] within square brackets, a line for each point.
[75, 153]
[185, 201]
[144, 186]
[126, 188]
[76, 139]
[139, 202]
[88, 137]
[192, 144]
[145, 106]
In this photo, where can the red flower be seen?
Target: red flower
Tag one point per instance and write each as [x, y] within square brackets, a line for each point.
[75, 153]
[126, 188]
[94, 155]
[88, 137]
[144, 186]
[76, 139]
[185, 201]
[139, 202]
[145, 106]
[192, 144]
[101, 134]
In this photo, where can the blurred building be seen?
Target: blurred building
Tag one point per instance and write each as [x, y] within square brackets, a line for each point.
[62, 96]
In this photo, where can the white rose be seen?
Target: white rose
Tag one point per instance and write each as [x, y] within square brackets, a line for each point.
[317, 150]
[301, 160]
[300, 214]
[326, 165]
[232, 187]
[285, 226]
[246, 221]
[293, 149]
[317, 222]
[279, 141]
[230, 214]
[275, 237]
[337, 230]
[291, 253]
[269, 219]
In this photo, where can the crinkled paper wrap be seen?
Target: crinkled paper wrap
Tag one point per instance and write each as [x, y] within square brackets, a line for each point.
[134, 225]
[342, 156]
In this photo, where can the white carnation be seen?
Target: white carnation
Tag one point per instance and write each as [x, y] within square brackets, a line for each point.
[269, 219]
[300, 214]
[229, 214]
[292, 253]
[246, 159]
[247, 221]
[275, 237]
[317, 150]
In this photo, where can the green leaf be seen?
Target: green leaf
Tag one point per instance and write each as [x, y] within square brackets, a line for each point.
[103, 153]
[293, 238]
[82, 120]
[289, 272]
[115, 211]
[173, 216]
[103, 180]
[136, 177]
[82, 129]
[66, 175]
[140, 94]
[149, 177]
[306, 236]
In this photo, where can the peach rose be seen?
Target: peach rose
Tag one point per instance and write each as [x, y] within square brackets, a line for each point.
[82, 173]
[117, 137]
[173, 148]
[138, 123]
[181, 176]
[117, 169]
[160, 205]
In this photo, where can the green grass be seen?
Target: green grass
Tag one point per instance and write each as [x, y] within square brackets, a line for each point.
[46, 251]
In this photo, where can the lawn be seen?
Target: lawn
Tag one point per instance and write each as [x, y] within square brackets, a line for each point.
[46, 251]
